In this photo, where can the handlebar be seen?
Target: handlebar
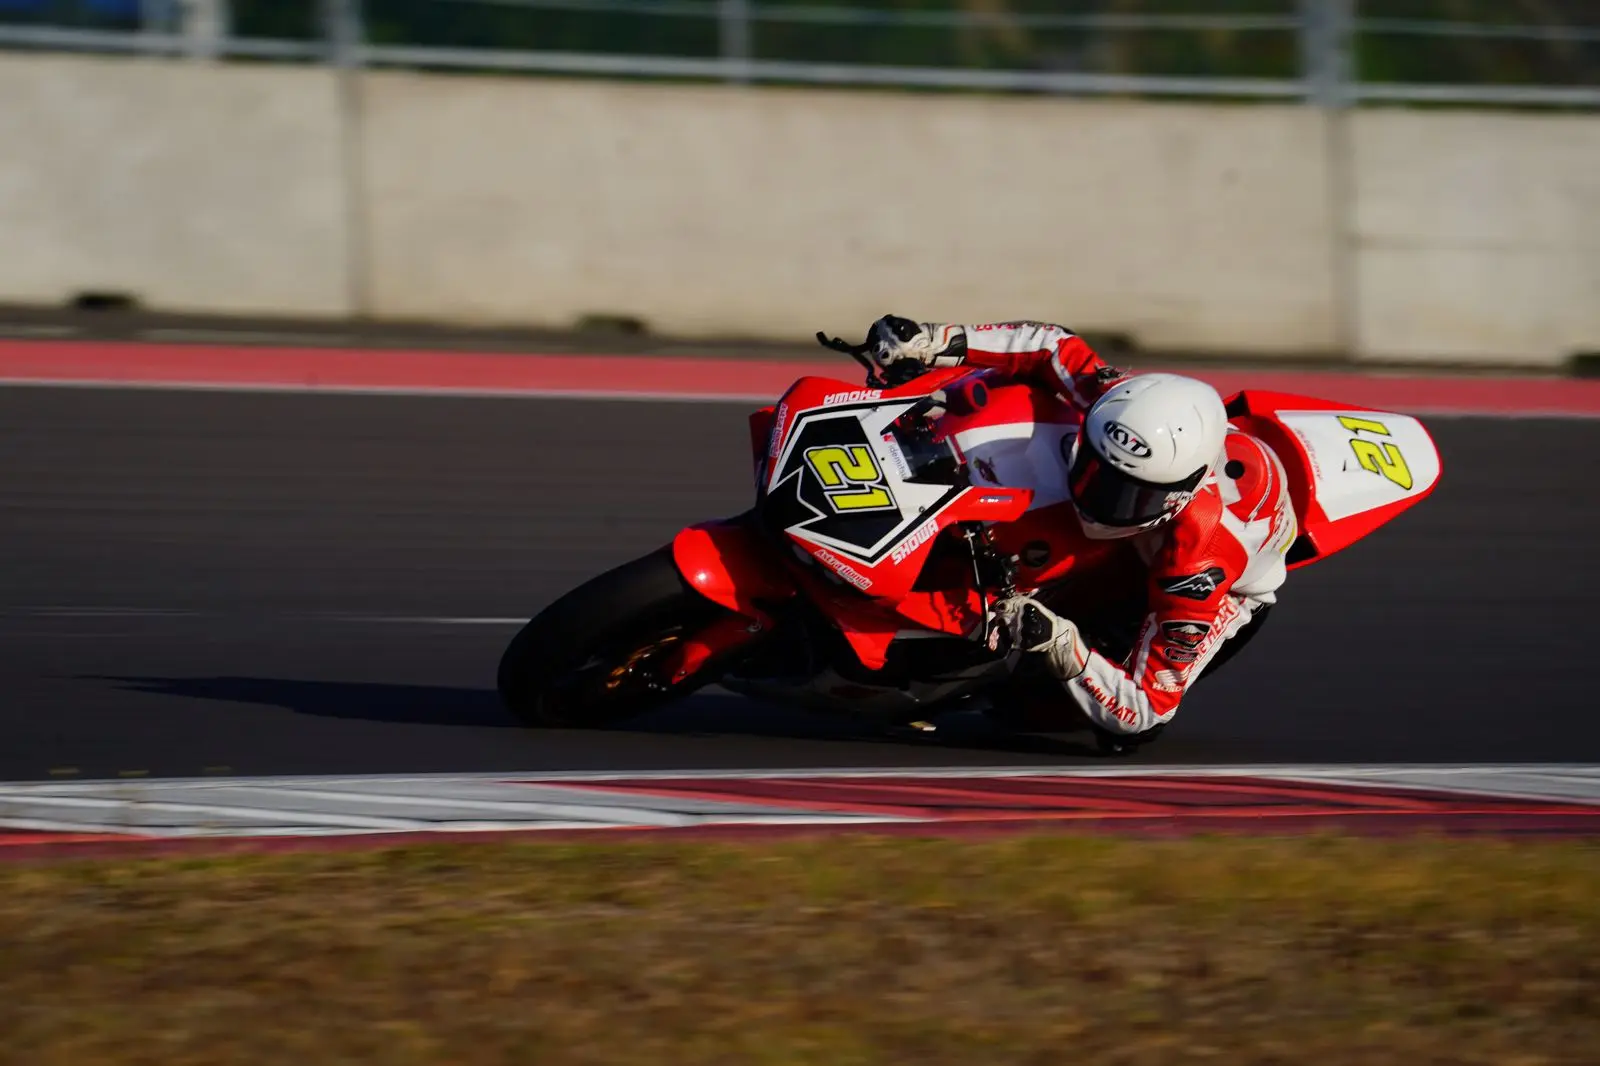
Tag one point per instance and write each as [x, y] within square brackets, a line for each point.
[861, 353]
[878, 377]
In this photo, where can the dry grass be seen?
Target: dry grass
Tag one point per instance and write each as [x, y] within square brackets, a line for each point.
[848, 951]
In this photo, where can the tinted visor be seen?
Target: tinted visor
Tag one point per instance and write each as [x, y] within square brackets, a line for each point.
[1115, 497]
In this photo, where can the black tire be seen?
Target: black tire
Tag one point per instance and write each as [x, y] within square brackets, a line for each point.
[584, 660]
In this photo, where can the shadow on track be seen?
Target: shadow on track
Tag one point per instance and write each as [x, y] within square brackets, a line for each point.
[401, 704]
[703, 714]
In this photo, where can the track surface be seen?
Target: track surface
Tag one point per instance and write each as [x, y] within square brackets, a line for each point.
[220, 583]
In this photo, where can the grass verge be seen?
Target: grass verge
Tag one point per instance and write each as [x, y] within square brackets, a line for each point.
[853, 950]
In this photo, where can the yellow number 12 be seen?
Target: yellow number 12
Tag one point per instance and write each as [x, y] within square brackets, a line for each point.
[1384, 459]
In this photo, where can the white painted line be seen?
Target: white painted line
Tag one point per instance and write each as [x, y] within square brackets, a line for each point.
[294, 807]
[626, 395]
[1136, 769]
[536, 809]
[203, 812]
[1582, 771]
[1122, 769]
[44, 825]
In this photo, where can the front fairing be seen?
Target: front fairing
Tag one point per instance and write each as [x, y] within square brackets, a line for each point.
[850, 481]
[858, 490]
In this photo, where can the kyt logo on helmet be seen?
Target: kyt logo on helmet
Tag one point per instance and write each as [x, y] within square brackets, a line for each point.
[1120, 436]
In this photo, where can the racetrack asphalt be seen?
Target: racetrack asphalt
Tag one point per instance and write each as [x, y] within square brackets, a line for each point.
[217, 583]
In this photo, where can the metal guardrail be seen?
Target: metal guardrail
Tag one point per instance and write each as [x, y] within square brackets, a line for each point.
[145, 43]
[1326, 33]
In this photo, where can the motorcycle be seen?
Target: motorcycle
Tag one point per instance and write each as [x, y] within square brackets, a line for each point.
[888, 521]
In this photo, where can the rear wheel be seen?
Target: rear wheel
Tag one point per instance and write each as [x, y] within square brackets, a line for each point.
[596, 655]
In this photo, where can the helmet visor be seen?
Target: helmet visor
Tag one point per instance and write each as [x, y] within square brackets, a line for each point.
[1113, 497]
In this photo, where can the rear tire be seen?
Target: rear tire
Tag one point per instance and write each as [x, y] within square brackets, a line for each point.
[585, 660]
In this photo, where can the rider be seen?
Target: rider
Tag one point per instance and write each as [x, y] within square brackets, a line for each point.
[1206, 507]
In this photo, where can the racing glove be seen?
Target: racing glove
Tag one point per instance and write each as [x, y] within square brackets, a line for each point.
[928, 344]
[1034, 628]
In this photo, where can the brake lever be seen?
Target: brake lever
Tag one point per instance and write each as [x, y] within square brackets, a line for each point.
[858, 352]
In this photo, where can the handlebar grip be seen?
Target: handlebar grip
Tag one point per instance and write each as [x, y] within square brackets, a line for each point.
[902, 372]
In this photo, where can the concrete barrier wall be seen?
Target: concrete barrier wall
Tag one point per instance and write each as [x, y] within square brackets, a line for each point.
[215, 188]
[1477, 236]
[767, 212]
[705, 210]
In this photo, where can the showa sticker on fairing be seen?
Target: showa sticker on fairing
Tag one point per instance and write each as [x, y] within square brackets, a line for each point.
[888, 520]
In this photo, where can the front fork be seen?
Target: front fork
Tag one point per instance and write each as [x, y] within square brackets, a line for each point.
[728, 633]
[731, 564]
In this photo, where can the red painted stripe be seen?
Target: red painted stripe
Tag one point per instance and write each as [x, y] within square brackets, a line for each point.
[177, 364]
[85, 362]
[979, 795]
[1537, 822]
[27, 838]
[1193, 790]
[1083, 799]
[1164, 791]
[892, 797]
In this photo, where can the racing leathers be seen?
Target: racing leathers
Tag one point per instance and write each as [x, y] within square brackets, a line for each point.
[1209, 569]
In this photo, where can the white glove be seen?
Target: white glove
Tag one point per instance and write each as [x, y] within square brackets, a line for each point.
[1033, 627]
[929, 344]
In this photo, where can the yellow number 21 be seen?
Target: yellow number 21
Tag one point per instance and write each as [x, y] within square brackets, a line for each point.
[1384, 459]
[850, 477]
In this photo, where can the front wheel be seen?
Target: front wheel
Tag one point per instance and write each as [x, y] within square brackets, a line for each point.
[593, 657]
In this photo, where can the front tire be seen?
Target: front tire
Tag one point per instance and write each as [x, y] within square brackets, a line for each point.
[586, 660]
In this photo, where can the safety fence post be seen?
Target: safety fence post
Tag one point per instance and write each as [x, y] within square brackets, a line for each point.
[346, 38]
[1325, 30]
[734, 39]
[205, 26]
[1326, 39]
[156, 20]
[345, 32]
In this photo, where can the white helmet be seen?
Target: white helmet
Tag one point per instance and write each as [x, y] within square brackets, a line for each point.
[1144, 449]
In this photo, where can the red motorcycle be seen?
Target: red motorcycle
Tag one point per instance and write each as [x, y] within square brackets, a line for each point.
[887, 522]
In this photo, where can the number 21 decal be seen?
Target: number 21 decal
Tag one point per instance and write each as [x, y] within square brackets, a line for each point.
[850, 477]
[1383, 459]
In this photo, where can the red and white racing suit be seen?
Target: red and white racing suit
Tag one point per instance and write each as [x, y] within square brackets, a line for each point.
[1210, 569]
